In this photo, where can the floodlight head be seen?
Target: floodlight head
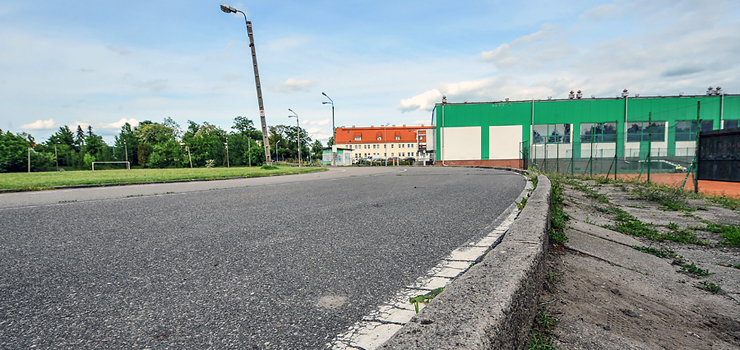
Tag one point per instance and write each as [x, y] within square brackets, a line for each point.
[227, 9]
[324, 102]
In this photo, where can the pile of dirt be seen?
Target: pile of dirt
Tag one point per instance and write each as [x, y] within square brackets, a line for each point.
[606, 294]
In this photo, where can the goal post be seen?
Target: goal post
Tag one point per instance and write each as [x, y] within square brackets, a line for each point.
[128, 165]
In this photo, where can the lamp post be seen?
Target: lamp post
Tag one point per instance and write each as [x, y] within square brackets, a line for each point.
[298, 130]
[333, 129]
[29, 160]
[125, 147]
[385, 128]
[56, 155]
[228, 9]
[226, 144]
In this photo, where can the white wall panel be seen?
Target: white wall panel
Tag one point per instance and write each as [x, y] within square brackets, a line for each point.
[461, 143]
[504, 141]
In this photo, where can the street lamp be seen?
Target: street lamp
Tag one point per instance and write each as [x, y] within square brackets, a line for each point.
[55, 154]
[385, 128]
[226, 144]
[125, 147]
[333, 130]
[298, 126]
[277, 158]
[228, 9]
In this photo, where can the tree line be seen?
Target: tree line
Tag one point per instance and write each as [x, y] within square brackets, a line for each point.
[156, 145]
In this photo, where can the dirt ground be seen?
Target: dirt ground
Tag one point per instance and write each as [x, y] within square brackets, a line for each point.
[605, 294]
[676, 180]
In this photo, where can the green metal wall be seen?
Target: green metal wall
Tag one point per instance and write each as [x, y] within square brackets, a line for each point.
[576, 112]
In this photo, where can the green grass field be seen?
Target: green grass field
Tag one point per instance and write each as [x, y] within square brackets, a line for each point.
[48, 180]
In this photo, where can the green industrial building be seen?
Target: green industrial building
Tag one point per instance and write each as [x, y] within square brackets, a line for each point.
[577, 132]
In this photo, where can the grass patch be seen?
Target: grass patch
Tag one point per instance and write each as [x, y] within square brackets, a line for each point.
[729, 203]
[589, 192]
[558, 217]
[672, 199]
[730, 233]
[661, 253]
[541, 331]
[49, 180]
[691, 269]
[710, 287]
[628, 224]
[737, 266]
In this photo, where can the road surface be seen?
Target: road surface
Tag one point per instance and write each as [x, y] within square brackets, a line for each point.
[272, 263]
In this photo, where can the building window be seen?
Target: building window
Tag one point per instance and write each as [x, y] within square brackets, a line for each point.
[598, 132]
[641, 131]
[686, 129]
[732, 124]
[358, 138]
[391, 145]
[551, 133]
[378, 138]
[398, 138]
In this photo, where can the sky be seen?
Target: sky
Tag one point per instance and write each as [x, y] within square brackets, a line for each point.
[105, 63]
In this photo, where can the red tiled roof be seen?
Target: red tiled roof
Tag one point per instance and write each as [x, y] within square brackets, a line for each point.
[371, 134]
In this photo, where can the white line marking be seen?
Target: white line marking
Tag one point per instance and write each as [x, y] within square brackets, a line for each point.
[381, 324]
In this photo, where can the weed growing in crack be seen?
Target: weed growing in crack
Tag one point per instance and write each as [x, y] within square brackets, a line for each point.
[693, 270]
[558, 217]
[520, 205]
[425, 298]
[710, 287]
[737, 266]
[541, 331]
[628, 224]
[672, 199]
[661, 253]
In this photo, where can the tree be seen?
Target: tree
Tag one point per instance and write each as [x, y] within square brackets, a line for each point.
[206, 142]
[126, 144]
[158, 142]
[243, 125]
[330, 142]
[317, 149]
[79, 137]
[13, 152]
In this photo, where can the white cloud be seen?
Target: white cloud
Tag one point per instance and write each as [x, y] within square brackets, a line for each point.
[40, 125]
[320, 122]
[286, 44]
[602, 12]
[423, 101]
[294, 85]
[119, 50]
[232, 77]
[531, 51]
[117, 125]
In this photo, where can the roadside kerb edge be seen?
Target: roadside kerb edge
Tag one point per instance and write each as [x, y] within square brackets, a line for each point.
[492, 305]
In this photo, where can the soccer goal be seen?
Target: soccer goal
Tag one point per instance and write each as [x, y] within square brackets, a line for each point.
[128, 165]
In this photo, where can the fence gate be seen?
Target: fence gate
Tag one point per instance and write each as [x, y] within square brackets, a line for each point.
[719, 155]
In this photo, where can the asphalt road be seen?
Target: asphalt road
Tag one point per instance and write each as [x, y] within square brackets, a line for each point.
[278, 263]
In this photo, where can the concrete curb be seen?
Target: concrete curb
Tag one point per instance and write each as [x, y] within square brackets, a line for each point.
[493, 304]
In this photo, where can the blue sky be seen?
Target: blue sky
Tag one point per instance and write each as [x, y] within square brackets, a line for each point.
[103, 63]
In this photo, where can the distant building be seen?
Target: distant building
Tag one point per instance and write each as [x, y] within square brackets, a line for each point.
[509, 133]
[344, 155]
[387, 141]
